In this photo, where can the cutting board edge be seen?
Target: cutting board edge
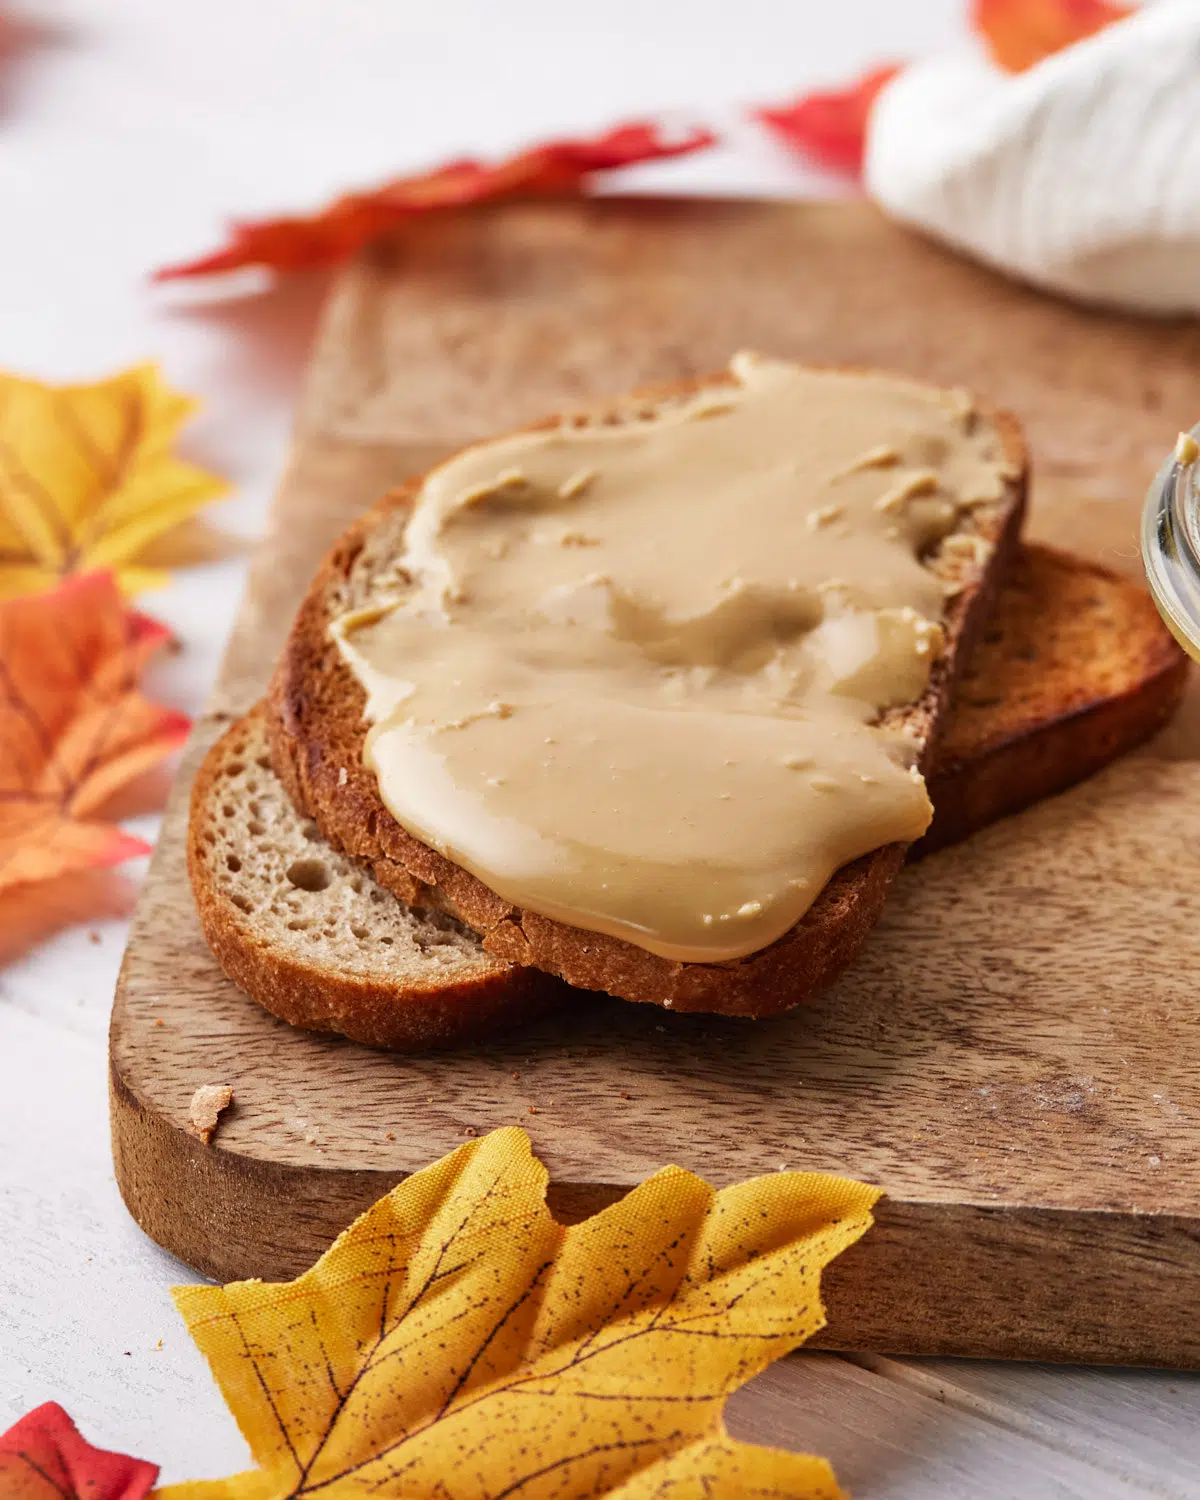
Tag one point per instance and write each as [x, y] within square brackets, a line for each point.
[271, 1220]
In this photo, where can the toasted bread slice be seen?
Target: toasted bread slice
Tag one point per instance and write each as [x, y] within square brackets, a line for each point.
[316, 729]
[1076, 668]
[314, 939]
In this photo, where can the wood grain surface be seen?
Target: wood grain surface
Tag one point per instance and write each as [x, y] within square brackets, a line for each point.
[1011, 1058]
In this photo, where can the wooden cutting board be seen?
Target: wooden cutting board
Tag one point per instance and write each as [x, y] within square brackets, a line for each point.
[1014, 1056]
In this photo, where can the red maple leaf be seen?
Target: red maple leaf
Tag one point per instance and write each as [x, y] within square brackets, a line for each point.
[829, 127]
[1020, 33]
[44, 1458]
[555, 169]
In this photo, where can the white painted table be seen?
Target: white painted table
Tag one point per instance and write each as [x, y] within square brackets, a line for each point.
[129, 130]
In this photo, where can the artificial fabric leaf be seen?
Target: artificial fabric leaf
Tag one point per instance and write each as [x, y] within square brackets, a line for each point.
[44, 1458]
[37, 910]
[829, 128]
[74, 727]
[88, 479]
[456, 1341]
[1020, 33]
[555, 169]
[723, 1469]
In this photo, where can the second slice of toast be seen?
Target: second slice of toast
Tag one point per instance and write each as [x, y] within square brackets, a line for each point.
[1074, 668]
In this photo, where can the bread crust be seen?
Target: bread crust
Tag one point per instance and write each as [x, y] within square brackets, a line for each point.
[316, 729]
[408, 1014]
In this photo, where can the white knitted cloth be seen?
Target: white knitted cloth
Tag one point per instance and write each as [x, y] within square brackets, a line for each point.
[1081, 175]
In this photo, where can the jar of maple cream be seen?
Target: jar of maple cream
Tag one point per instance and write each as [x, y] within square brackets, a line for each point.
[1171, 541]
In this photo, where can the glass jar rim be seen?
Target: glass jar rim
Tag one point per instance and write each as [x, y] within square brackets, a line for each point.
[1171, 540]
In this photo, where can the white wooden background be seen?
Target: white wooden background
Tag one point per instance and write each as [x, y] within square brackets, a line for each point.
[128, 129]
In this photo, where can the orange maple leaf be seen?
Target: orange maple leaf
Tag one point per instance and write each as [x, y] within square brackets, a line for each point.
[74, 727]
[37, 910]
[1020, 33]
[830, 127]
[555, 169]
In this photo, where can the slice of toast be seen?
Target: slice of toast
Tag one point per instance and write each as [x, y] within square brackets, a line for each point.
[1075, 669]
[317, 729]
[313, 938]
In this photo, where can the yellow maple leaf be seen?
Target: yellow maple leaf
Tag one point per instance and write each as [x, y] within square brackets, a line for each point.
[88, 479]
[457, 1342]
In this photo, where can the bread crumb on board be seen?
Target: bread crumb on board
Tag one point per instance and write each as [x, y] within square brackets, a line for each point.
[204, 1112]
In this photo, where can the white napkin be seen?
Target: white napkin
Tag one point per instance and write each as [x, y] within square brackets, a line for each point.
[1081, 175]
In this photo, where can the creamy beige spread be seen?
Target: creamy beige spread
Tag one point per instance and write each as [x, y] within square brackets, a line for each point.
[632, 681]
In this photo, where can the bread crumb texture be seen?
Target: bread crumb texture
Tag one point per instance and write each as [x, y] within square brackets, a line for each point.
[204, 1112]
[300, 894]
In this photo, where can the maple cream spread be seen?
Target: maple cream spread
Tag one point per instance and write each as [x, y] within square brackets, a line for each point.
[631, 683]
